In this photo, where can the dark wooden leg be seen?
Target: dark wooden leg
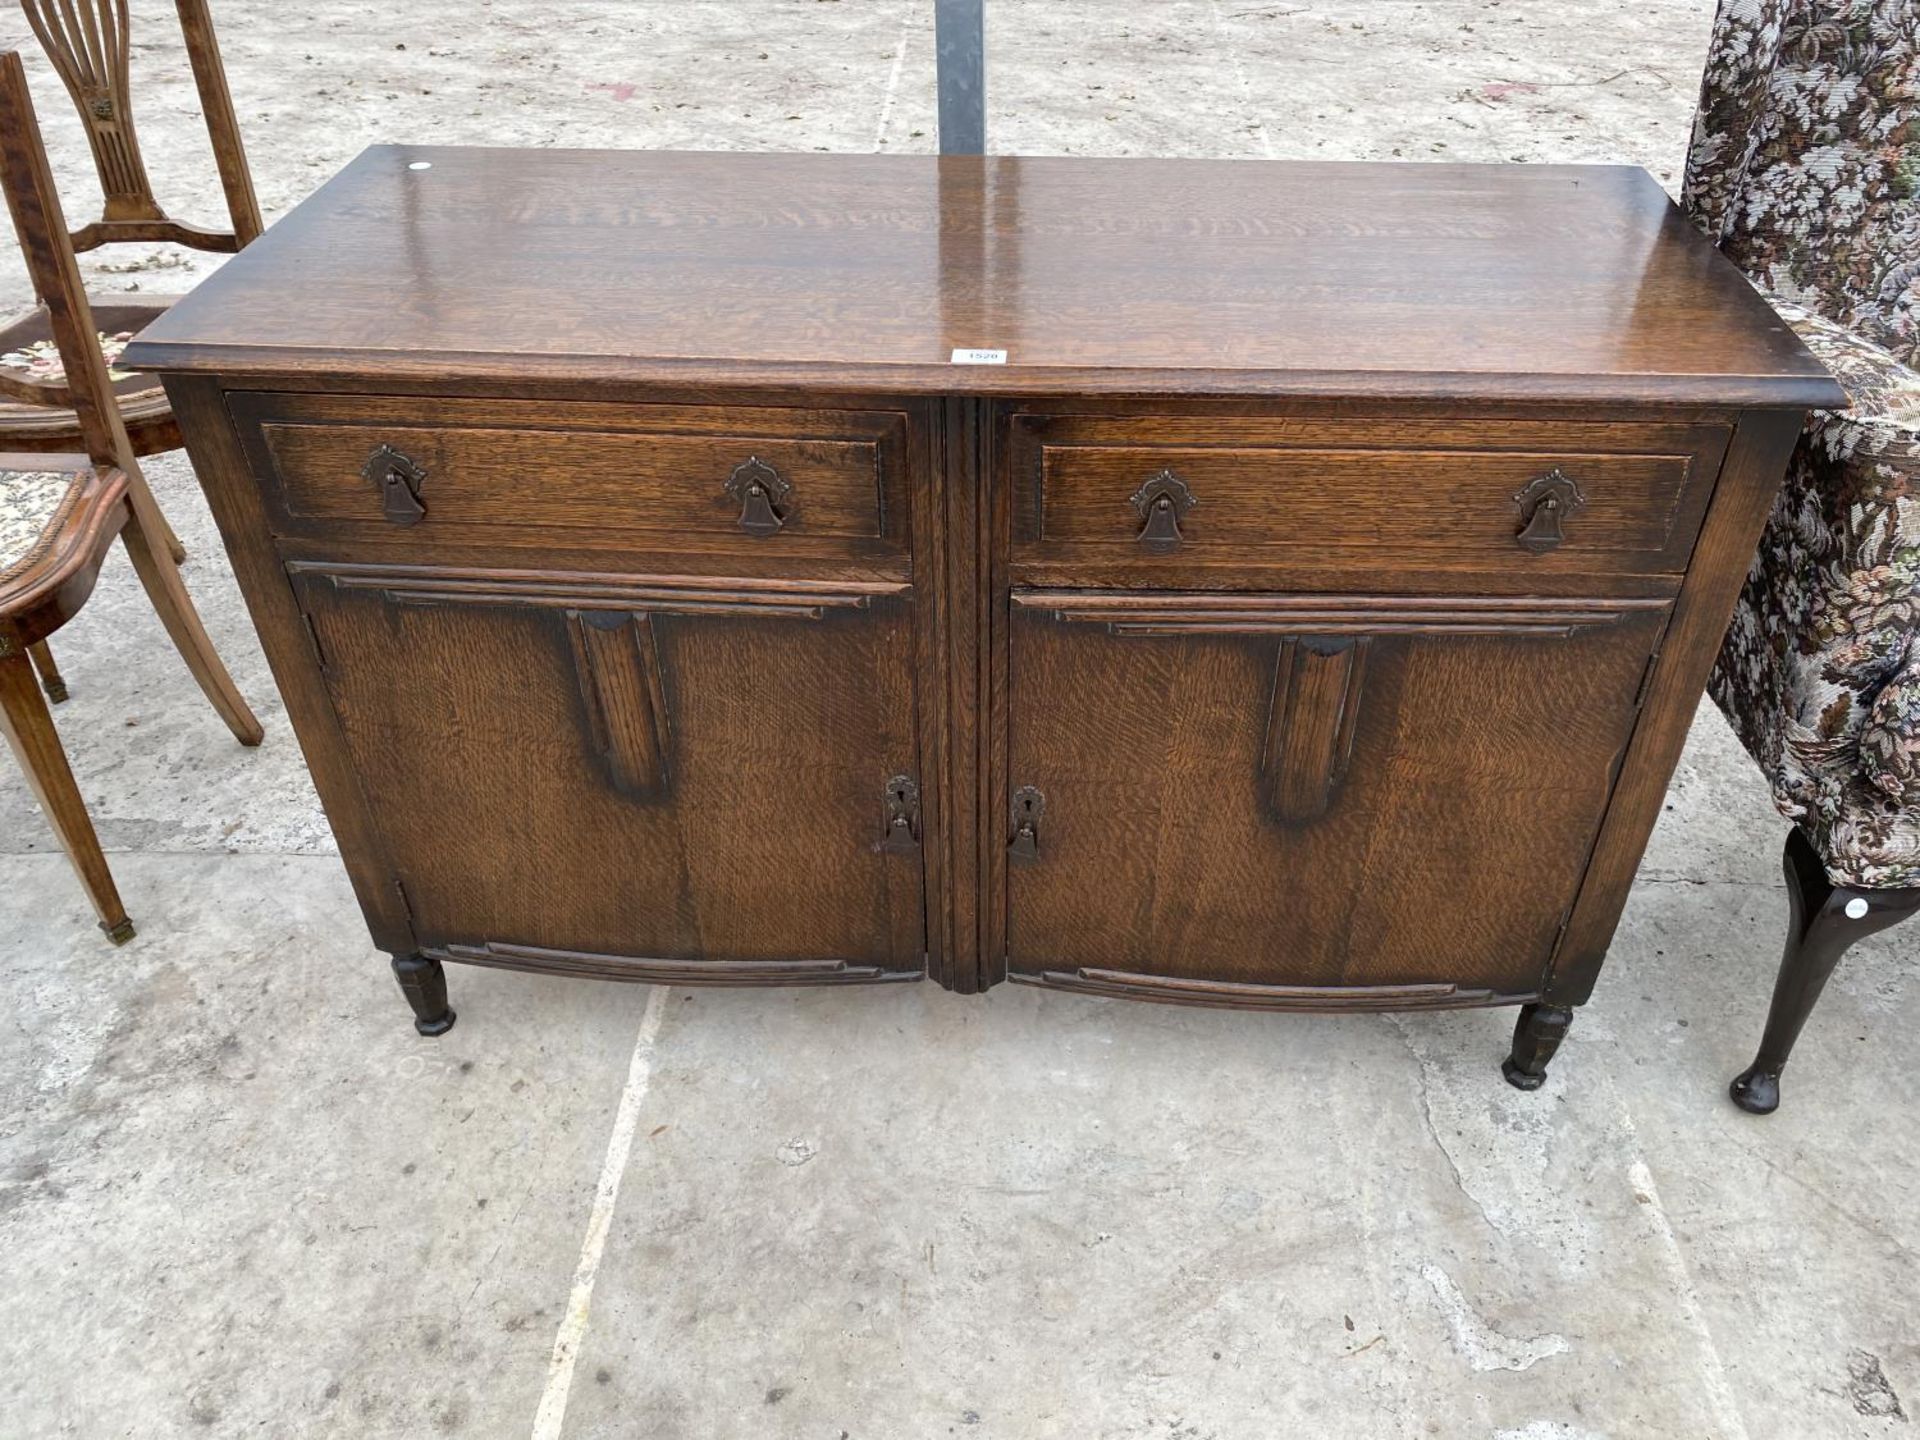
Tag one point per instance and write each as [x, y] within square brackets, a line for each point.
[1824, 919]
[36, 744]
[1536, 1035]
[424, 982]
[50, 678]
[153, 562]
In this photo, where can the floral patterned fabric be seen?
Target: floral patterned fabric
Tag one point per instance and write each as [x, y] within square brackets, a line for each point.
[1805, 160]
[33, 503]
[1805, 168]
[41, 360]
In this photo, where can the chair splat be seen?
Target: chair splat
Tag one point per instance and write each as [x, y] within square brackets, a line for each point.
[87, 43]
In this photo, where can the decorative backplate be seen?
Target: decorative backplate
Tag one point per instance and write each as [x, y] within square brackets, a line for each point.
[398, 478]
[902, 796]
[1544, 505]
[1028, 806]
[1161, 502]
[762, 491]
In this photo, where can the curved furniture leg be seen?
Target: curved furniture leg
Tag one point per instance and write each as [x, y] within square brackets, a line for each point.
[36, 744]
[50, 677]
[423, 980]
[161, 577]
[1824, 919]
[1536, 1036]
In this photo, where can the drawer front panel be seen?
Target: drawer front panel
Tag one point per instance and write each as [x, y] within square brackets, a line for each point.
[1508, 498]
[751, 479]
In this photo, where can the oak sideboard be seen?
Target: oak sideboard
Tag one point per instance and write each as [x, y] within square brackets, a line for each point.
[1284, 586]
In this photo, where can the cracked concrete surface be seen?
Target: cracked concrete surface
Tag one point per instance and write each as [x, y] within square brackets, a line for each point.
[239, 1195]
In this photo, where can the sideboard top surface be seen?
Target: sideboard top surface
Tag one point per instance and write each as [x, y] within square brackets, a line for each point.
[1529, 283]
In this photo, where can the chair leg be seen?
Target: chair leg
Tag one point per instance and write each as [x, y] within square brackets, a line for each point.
[1824, 920]
[36, 744]
[161, 577]
[50, 677]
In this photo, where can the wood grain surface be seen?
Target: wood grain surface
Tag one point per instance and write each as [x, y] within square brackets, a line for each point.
[1102, 276]
[1349, 721]
[1470, 765]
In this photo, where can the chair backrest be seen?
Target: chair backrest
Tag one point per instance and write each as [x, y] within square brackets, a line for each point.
[1805, 162]
[87, 42]
[27, 179]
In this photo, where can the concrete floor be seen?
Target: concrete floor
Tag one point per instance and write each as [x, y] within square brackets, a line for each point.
[239, 1196]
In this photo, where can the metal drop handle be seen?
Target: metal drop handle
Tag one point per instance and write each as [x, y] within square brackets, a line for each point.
[762, 492]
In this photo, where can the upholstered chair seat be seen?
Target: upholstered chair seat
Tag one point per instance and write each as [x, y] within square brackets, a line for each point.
[34, 508]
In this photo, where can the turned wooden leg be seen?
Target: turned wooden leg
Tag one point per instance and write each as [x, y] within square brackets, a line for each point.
[36, 744]
[50, 678]
[161, 577]
[1536, 1035]
[1823, 920]
[424, 982]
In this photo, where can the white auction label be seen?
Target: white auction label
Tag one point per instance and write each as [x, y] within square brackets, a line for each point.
[979, 357]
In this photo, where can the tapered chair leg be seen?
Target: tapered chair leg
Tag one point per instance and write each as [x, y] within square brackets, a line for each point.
[161, 577]
[1824, 920]
[36, 745]
[50, 678]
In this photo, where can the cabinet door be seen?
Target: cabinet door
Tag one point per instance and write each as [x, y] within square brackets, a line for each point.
[683, 778]
[1290, 801]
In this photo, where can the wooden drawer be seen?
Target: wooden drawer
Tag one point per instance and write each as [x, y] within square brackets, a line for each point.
[1512, 499]
[448, 472]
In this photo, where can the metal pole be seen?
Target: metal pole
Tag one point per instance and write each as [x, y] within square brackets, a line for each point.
[960, 39]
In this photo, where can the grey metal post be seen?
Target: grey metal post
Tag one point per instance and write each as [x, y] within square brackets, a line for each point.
[960, 40]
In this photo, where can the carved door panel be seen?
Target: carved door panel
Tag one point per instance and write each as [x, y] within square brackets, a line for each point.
[720, 776]
[1281, 801]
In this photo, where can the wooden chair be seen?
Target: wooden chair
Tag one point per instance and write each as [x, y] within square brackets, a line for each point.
[59, 514]
[88, 44]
